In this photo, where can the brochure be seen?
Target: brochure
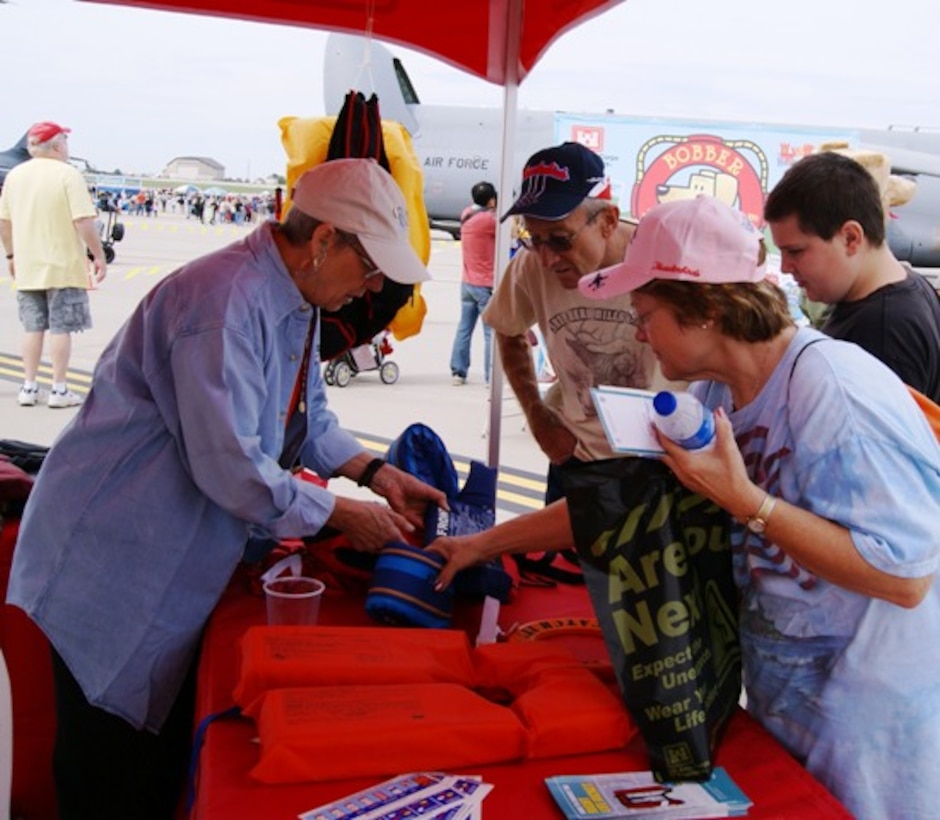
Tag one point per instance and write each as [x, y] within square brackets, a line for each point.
[640, 795]
[428, 795]
[626, 414]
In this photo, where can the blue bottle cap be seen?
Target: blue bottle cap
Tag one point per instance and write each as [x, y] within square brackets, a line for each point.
[665, 403]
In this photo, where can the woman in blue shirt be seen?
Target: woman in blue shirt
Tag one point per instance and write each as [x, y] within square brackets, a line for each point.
[833, 475]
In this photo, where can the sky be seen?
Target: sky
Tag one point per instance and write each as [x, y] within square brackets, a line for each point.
[141, 87]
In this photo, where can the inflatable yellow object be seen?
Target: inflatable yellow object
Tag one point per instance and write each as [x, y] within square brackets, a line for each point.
[306, 141]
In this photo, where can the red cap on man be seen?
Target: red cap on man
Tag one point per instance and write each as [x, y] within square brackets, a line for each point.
[45, 131]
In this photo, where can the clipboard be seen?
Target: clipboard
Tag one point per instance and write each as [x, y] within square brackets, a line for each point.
[626, 415]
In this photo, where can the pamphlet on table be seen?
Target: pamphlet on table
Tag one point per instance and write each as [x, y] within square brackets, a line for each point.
[428, 795]
[640, 795]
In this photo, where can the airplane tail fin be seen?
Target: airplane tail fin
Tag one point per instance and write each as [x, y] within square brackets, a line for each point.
[363, 64]
[13, 156]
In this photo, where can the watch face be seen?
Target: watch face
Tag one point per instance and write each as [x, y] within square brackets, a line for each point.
[757, 525]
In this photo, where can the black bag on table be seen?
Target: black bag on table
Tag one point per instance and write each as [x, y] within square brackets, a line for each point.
[657, 563]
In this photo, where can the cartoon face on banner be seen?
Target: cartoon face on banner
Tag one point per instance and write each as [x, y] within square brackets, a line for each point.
[672, 168]
[660, 160]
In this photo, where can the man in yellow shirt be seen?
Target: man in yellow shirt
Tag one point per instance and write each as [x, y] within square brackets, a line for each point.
[47, 218]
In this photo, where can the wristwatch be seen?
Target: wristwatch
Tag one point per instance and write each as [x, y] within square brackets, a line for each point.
[758, 522]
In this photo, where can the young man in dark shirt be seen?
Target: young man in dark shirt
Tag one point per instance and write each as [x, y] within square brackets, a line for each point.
[827, 218]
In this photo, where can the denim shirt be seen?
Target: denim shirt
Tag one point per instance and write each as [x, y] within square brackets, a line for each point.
[144, 504]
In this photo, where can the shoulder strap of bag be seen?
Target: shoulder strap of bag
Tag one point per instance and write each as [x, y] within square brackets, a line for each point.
[796, 358]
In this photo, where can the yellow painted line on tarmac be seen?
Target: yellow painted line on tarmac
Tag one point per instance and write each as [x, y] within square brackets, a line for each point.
[14, 364]
[77, 383]
[11, 368]
[505, 484]
[522, 500]
[537, 485]
[141, 270]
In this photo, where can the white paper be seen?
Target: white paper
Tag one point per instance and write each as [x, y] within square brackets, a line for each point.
[364, 357]
[489, 621]
[626, 415]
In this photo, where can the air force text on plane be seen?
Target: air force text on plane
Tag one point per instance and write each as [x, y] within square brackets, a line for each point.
[472, 163]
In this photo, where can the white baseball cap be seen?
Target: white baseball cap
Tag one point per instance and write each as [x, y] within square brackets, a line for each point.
[360, 197]
[691, 240]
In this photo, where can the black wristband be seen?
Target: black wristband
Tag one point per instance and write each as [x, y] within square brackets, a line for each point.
[9, 256]
[368, 474]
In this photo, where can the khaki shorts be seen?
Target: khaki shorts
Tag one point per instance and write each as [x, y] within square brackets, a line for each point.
[59, 310]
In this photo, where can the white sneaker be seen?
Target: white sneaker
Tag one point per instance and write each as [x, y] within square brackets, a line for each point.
[64, 399]
[28, 396]
[458, 380]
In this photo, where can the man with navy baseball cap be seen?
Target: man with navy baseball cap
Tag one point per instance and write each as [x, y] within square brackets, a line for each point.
[572, 228]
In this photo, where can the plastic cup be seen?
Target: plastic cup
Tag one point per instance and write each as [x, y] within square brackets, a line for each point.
[293, 600]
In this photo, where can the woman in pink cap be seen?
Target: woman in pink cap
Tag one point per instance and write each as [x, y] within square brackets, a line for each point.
[833, 476]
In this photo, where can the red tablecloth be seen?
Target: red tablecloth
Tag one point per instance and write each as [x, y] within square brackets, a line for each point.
[778, 785]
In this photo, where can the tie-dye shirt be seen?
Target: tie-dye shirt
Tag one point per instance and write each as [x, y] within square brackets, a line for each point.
[849, 684]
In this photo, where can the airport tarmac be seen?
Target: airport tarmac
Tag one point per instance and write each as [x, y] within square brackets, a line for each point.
[376, 412]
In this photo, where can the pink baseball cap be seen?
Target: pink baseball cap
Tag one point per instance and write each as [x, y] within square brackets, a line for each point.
[45, 131]
[360, 197]
[690, 240]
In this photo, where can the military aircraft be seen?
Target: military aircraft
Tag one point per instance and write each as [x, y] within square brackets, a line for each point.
[649, 160]
[20, 153]
[13, 156]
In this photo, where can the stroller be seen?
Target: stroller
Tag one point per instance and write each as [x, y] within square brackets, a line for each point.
[371, 356]
[109, 231]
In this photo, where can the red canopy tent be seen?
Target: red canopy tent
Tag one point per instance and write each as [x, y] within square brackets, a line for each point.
[497, 40]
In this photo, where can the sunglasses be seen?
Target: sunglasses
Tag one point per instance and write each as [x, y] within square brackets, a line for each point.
[556, 243]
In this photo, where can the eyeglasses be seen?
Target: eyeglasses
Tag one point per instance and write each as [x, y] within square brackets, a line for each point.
[556, 243]
[372, 269]
[639, 320]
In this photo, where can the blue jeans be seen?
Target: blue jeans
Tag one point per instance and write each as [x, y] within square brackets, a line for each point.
[473, 299]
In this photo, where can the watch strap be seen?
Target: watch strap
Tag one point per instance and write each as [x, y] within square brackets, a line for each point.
[763, 513]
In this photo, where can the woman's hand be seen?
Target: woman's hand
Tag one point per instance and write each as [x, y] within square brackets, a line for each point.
[460, 551]
[718, 473]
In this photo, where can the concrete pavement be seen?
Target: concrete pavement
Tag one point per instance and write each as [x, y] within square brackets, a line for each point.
[374, 411]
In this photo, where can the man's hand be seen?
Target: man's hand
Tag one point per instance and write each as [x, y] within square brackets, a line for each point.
[406, 494]
[101, 270]
[369, 525]
[556, 440]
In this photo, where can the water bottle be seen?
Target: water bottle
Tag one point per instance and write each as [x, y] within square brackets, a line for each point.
[684, 419]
